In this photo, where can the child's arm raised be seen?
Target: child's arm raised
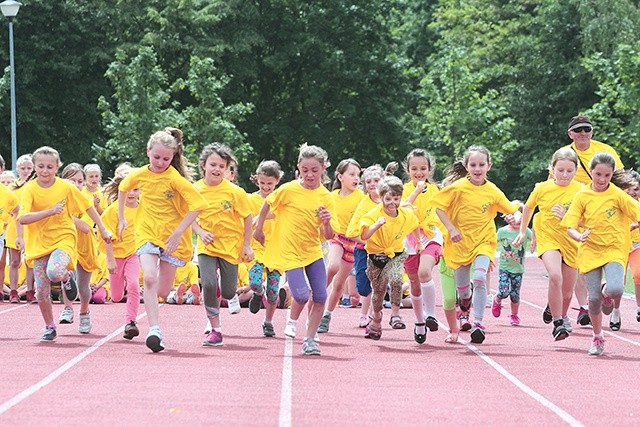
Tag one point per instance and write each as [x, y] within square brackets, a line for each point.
[368, 232]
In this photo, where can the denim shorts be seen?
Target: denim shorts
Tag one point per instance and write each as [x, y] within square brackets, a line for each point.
[150, 248]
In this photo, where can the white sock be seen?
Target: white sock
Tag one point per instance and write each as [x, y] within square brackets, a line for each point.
[429, 298]
[416, 303]
[615, 315]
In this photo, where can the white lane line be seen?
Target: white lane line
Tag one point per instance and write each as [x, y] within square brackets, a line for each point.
[15, 307]
[61, 370]
[285, 391]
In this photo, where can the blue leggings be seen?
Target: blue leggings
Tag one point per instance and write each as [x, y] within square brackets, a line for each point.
[509, 285]
[317, 275]
[363, 284]
[256, 276]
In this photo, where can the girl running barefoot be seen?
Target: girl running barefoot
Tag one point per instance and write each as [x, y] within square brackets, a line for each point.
[169, 204]
[347, 195]
[224, 233]
[419, 266]
[467, 208]
[303, 211]
[267, 177]
[383, 228]
[49, 204]
[606, 213]
[122, 262]
[556, 249]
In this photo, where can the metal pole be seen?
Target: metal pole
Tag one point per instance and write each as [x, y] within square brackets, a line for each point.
[14, 141]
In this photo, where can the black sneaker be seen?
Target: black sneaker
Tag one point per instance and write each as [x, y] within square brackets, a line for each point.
[267, 330]
[431, 323]
[130, 331]
[546, 315]
[255, 302]
[583, 317]
[49, 334]
[559, 331]
[420, 338]
[70, 288]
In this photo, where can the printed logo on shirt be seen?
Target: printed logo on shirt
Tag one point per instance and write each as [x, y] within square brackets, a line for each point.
[611, 212]
[398, 236]
[566, 206]
[169, 194]
[485, 207]
[226, 205]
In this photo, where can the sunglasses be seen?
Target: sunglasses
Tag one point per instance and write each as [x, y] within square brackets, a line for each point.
[586, 129]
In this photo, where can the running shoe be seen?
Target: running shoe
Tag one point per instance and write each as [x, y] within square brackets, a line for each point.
[255, 302]
[364, 321]
[31, 297]
[546, 315]
[465, 324]
[323, 327]
[49, 334]
[214, 339]
[267, 330]
[234, 305]
[291, 328]
[310, 347]
[514, 319]
[66, 317]
[155, 340]
[431, 323]
[567, 324]
[583, 317]
[69, 287]
[14, 298]
[84, 326]
[559, 332]
[477, 333]
[130, 331]
[597, 347]
[496, 307]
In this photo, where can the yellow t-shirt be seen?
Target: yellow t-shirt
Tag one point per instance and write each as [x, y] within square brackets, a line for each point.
[87, 246]
[127, 246]
[101, 196]
[22, 273]
[165, 199]
[423, 209]
[296, 239]
[8, 202]
[348, 205]
[607, 214]
[55, 231]
[255, 203]
[228, 208]
[187, 274]
[472, 209]
[550, 235]
[11, 233]
[586, 155]
[388, 238]
[365, 205]
[101, 272]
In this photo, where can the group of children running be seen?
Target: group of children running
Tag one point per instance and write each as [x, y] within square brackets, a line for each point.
[379, 230]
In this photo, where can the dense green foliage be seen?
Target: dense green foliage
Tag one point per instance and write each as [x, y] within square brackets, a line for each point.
[368, 79]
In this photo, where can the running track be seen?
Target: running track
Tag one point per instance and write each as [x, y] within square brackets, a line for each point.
[519, 376]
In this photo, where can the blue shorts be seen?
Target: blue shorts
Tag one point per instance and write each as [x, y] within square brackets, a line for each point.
[150, 248]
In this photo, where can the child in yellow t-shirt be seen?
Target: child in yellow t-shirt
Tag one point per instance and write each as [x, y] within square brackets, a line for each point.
[384, 228]
[50, 204]
[224, 234]
[169, 203]
[186, 289]
[100, 291]
[606, 213]
[267, 177]
[304, 218]
[93, 187]
[467, 208]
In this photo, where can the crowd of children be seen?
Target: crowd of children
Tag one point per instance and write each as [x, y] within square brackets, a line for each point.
[210, 243]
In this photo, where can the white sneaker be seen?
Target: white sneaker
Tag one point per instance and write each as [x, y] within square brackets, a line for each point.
[84, 327]
[66, 316]
[291, 328]
[567, 324]
[234, 305]
[155, 339]
[489, 301]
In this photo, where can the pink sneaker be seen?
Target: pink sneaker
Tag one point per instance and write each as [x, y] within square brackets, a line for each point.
[364, 321]
[496, 307]
[515, 320]
[213, 339]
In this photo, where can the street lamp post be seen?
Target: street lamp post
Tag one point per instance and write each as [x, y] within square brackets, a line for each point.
[10, 10]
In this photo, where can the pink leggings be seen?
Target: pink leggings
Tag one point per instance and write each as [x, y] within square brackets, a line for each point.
[127, 275]
[99, 296]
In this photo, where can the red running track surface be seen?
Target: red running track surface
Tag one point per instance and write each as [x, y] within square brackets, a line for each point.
[518, 376]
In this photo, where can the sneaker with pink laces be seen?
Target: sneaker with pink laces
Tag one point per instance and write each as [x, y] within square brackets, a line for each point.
[477, 333]
[597, 346]
[364, 321]
[514, 319]
[496, 307]
[465, 325]
[214, 339]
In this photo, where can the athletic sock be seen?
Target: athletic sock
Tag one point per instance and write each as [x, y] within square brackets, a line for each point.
[429, 298]
[416, 303]
[615, 316]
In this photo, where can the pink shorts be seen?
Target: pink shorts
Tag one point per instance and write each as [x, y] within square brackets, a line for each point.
[347, 244]
[412, 262]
